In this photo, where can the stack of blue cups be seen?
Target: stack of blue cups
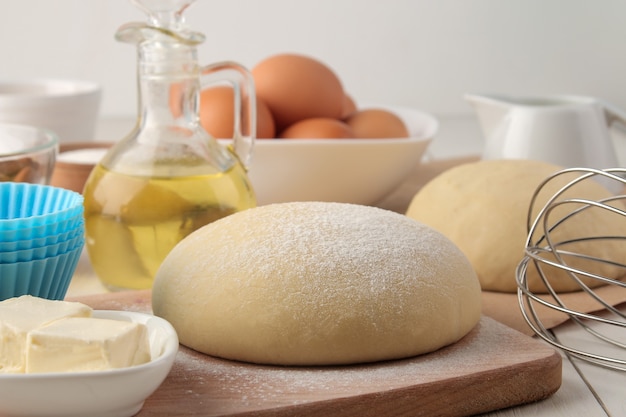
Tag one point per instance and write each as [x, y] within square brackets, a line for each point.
[42, 234]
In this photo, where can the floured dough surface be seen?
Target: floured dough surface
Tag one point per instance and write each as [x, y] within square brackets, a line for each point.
[312, 283]
[483, 208]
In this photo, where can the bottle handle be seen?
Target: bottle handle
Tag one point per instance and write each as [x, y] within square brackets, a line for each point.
[244, 129]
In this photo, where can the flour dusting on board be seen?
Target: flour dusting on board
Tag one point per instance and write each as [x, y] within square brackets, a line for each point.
[272, 383]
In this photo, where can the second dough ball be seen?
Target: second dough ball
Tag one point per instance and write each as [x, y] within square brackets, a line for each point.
[483, 208]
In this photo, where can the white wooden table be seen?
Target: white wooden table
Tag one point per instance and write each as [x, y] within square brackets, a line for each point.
[586, 390]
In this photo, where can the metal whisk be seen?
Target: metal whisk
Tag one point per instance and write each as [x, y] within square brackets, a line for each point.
[604, 340]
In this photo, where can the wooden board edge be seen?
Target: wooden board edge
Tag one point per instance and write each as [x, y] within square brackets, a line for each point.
[540, 378]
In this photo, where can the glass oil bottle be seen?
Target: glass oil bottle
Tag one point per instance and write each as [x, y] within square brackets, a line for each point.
[168, 176]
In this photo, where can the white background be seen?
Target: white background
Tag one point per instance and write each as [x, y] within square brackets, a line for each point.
[420, 53]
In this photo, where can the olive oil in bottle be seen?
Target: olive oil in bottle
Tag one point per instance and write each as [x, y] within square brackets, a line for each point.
[133, 222]
[168, 176]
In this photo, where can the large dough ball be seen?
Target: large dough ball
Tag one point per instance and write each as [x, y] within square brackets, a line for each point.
[483, 208]
[317, 283]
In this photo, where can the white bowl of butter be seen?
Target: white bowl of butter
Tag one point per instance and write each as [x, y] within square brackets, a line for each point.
[112, 392]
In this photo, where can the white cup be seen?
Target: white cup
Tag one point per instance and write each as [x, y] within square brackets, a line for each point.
[69, 108]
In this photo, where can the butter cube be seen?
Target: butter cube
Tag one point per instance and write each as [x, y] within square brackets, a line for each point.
[20, 315]
[86, 344]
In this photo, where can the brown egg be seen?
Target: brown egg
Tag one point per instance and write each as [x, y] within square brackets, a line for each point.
[349, 106]
[265, 125]
[297, 87]
[176, 100]
[217, 113]
[318, 128]
[377, 123]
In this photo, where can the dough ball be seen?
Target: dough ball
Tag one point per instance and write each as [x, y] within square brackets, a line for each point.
[483, 208]
[311, 283]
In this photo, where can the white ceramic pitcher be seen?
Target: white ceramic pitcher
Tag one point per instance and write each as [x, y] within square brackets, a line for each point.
[570, 131]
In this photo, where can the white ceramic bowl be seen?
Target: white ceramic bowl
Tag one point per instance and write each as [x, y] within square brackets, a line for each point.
[69, 108]
[358, 171]
[114, 393]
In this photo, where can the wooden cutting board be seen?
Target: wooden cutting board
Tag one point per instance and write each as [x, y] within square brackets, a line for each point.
[493, 367]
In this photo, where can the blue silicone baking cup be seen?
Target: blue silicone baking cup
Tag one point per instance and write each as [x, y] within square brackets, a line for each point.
[29, 211]
[46, 278]
[72, 232]
[42, 252]
[40, 231]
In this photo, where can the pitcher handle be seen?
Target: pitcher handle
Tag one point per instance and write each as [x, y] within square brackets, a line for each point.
[244, 129]
[614, 115]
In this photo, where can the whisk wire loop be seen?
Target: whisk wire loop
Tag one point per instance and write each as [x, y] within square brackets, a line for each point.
[555, 255]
